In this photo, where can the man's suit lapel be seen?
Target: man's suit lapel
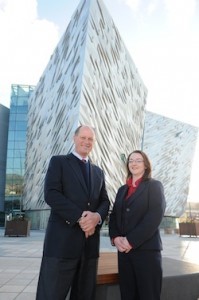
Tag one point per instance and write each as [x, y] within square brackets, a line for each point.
[92, 176]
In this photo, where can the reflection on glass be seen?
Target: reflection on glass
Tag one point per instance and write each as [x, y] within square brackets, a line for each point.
[16, 147]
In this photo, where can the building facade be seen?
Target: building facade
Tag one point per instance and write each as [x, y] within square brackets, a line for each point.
[170, 145]
[4, 121]
[16, 147]
[90, 79]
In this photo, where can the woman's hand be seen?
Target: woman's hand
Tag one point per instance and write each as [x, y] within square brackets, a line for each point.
[122, 244]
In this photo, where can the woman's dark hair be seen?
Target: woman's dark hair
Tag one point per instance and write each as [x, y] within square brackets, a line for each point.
[147, 164]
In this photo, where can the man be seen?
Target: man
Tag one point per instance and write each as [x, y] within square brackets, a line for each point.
[75, 191]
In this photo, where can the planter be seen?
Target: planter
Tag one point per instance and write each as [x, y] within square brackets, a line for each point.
[17, 228]
[191, 229]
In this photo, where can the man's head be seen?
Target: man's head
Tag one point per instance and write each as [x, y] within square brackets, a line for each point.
[84, 139]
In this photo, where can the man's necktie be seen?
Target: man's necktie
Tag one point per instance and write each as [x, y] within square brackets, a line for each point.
[85, 169]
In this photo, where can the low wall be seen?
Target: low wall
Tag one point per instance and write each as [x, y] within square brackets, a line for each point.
[180, 279]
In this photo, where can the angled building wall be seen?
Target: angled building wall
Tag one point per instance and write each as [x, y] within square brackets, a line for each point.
[90, 79]
[170, 145]
[4, 121]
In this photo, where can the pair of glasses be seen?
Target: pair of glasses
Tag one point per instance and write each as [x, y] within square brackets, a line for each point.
[136, 161]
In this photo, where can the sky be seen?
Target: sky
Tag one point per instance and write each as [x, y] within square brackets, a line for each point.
[162, 37]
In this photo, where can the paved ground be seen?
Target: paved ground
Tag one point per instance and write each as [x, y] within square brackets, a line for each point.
[20, 259]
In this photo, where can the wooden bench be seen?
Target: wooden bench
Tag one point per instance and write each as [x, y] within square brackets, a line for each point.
[107, 268]
[180, 279]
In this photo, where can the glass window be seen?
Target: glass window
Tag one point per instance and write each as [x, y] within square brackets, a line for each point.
[13, 108]
[16, 204]
[11, 135]
[22, 109]
[9, 171]
[9, 163]
[21, 125]
[10, 145]
[21, 117]
[19, 153]
[18, 171]
[13, 101]
[22, 93]
[10, 153]
[18, 163]
[12, 125]
[17, 180]
[20, 135]
[12, 117]
[20, 145]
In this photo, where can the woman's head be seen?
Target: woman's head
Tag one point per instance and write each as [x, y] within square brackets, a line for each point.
[138, 165]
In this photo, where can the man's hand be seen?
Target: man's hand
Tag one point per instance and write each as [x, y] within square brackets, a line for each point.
[89, 233]
[88, 222]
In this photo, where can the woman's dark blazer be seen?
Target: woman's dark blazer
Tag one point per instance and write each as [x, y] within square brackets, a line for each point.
[65, 191]
[139, 216]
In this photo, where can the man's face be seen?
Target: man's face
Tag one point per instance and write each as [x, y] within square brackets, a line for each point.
[84, 141]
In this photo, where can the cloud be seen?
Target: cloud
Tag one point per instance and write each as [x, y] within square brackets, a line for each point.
[26, 44]
[152, 6]
[180, 14]
[141, 6]
[133, 4]
[165, 51]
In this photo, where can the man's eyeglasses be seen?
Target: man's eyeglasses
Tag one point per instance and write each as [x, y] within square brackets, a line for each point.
[136, 161]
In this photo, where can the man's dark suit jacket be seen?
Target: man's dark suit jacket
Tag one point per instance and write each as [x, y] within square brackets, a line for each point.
[66, 193]
[139, 216]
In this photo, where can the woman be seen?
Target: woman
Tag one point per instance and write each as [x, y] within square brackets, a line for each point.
[134, 230]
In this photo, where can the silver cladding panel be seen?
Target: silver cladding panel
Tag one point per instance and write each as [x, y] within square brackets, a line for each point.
[170, 145]
[90, 79]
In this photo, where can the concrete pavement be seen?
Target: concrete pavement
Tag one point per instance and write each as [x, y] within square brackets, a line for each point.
[20, 259]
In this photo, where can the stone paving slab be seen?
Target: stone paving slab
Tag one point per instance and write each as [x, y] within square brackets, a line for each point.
[20, 259]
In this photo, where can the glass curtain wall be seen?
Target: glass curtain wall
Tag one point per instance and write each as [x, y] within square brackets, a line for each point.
[16, 147]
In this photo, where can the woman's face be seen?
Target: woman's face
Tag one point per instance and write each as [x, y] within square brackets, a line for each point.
[136, 165]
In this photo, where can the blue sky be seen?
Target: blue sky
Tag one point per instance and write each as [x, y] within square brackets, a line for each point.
[162, 36]
[58, 12]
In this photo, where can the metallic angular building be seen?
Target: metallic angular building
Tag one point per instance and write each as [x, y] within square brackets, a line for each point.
[170, 145]
[90, 79]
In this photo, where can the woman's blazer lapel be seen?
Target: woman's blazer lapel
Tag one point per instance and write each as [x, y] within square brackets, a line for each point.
[121, 197]
[138, 191]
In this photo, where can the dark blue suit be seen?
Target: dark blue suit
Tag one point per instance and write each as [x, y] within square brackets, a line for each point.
[138, 219]
[65, 244]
